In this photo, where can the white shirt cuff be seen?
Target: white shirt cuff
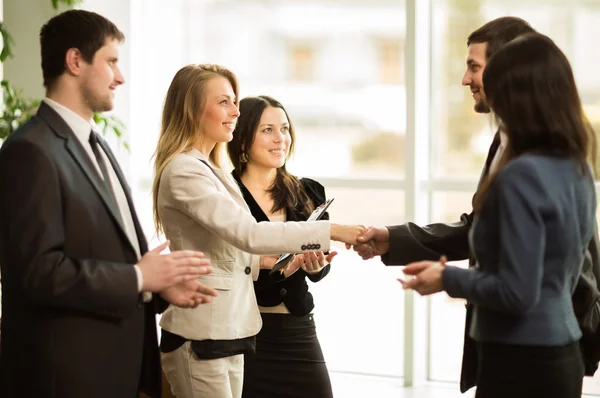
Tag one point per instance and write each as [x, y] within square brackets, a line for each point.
[140, 278]
[146, 296]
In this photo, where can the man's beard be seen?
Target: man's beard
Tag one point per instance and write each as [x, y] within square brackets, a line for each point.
[481, 107]
[94, 101]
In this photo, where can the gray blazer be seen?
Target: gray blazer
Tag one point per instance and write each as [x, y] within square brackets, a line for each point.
[530, 240]
[202, 208]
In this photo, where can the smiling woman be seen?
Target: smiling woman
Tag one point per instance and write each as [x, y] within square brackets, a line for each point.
[288, 360]
[200, 205]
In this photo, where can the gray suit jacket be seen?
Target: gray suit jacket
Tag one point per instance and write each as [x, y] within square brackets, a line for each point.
[410, 242]
[529, 240]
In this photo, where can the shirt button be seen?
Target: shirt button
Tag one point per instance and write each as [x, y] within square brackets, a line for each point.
[283, 292]
[318, 246]
[247, 270]
[303, 247]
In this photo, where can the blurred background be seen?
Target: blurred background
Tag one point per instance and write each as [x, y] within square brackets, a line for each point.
[373, 88]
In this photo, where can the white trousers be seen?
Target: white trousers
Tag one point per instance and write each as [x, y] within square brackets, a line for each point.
[191, 377]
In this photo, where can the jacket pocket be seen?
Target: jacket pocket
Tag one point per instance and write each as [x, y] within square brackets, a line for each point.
[221, 267]
[218, 281]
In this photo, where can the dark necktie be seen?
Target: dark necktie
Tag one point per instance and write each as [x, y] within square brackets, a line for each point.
[100, 159]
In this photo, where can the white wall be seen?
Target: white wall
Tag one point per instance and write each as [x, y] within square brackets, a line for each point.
[23, 20]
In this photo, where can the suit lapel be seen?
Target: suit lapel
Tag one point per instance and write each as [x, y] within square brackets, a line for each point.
[491, 153]
[78, 153]
[226, 179]
[127, 190]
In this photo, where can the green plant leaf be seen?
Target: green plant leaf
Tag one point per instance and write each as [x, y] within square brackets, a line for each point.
[7, 43]
[15, 109]
[68, 3]
[112, 124]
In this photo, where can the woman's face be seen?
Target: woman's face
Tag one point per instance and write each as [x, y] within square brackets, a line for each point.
[220, 113]
[272, 139]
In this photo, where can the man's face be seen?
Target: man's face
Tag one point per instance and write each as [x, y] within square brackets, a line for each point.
[476, 60]
[100, 79]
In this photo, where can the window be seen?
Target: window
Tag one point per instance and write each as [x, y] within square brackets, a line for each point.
[391, 60]
[302, 63]
[461, 137]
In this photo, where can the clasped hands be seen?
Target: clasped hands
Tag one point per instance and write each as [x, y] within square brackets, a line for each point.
[175, 276]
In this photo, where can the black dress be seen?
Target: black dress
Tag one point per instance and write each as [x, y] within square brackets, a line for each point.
[288, 361]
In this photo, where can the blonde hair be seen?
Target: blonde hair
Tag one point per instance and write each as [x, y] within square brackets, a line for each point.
[180, 127]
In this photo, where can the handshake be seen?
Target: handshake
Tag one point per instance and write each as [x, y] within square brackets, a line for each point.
[372, 242]
[425, 277]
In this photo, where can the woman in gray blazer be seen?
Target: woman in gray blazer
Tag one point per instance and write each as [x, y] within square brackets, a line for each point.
[535, 216]
[199, 206]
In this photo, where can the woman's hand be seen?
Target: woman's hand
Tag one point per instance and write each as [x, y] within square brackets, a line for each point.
[268, 262]
[294, 265]
[348, 234]
[314, 262]
[427, 276]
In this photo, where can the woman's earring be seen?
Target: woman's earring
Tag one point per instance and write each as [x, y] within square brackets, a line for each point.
[243, 158]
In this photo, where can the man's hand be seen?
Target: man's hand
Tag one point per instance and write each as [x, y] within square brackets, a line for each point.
[160, 271]
[188, 294]
[428, 276]
[375, 242]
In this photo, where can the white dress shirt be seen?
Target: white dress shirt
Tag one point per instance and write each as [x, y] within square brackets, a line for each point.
[82, 130]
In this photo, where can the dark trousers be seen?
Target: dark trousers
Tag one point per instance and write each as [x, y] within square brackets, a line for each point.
[510, 371]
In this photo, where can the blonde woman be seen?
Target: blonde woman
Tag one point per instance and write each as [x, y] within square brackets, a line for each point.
[199, 206]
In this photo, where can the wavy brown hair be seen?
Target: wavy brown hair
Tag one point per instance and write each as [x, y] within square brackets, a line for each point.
[530, 87]
[183, 107]
[287, 190]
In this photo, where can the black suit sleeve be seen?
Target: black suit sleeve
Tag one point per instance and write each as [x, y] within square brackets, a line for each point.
[319, 275]
[32, 250]
[586, 305]
[410, 242]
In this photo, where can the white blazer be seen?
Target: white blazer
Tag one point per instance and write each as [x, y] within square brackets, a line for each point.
[201, 208]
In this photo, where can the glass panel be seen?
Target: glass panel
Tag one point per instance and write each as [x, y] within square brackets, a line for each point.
[348, 109]
[359, 298]
[447, 315]
[460, 137]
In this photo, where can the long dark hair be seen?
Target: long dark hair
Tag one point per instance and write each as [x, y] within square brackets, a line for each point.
[530, 87]
[498, 32]
[287, 190]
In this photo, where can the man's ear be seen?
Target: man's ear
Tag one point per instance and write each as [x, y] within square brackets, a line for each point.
[73, 62]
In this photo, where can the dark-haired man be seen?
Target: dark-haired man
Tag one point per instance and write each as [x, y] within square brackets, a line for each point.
[77, 277]
[403, 244]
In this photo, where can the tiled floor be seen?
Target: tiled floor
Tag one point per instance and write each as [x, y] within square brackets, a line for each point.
[355, 386]
[348, 385]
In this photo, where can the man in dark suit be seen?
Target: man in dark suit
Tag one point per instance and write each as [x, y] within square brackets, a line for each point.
[403, 244]
[77, 277]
